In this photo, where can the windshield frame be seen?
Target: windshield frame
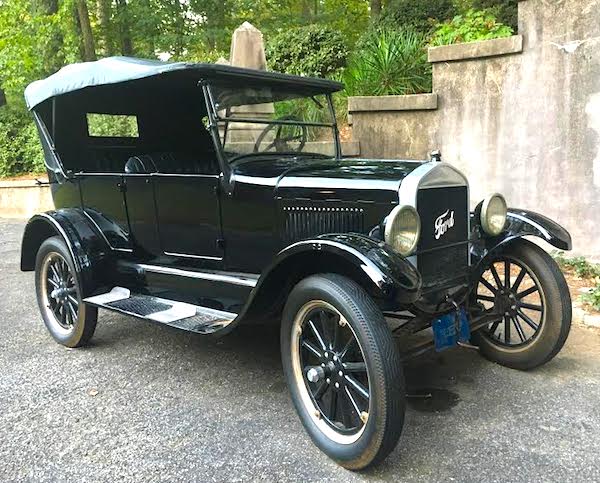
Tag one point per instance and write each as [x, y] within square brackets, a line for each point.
[215, 119]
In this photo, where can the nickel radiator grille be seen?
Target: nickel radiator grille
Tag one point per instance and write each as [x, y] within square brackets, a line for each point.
[301, 222]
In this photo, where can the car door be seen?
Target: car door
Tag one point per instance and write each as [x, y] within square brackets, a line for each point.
[187, 207]
[141, 210]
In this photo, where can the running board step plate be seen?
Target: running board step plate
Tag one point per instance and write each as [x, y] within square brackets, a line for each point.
[193, 318]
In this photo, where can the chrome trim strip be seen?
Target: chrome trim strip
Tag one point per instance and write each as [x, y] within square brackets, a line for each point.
[215, 277]
[184, 175]
[185, 255]
[410, 184]
[159, 175]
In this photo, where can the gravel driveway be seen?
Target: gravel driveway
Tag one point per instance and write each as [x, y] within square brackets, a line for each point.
[150, 403]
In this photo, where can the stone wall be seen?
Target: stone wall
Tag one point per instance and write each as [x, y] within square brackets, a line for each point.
[22, 199]
[520, 116]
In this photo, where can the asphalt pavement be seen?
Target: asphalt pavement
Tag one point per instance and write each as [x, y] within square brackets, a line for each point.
[149, 403]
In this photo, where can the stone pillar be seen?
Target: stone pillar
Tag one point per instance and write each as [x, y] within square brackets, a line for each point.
[248, 50]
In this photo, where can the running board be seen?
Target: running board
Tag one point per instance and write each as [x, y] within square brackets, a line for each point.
[193, 318]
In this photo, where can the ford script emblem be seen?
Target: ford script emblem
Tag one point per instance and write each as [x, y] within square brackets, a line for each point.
[443, 223]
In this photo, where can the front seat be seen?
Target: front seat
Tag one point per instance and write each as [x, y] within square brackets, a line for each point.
[140, 165]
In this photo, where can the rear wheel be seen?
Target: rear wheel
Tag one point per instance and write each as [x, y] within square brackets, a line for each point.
[343, 370]
[68, 319]
[527, 290]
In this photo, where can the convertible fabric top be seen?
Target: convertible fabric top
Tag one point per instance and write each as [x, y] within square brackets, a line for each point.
[114, 70]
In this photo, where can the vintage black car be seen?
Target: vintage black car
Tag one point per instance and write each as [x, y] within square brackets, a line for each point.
[206, 196]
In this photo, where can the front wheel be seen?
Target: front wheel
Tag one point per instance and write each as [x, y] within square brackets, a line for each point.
[526, 289]
[343, 370]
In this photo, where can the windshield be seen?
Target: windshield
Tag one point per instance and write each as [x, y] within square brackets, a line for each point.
[271, 120]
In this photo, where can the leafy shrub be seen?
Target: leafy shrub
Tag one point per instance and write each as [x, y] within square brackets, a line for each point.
[579, 265]
[504, 10]
[313, 50]
[421, 15]
[111, 125]
[593, 297]
[471, 26]
[20, 149]
[389, 61]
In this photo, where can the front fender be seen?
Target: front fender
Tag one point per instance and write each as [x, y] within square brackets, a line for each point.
[392, 276]
[389, 278]
[520, 223]
[88, 248]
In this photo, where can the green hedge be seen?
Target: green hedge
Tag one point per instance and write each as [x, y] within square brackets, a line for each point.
[420, 15]
[20, 148]
[314, 50]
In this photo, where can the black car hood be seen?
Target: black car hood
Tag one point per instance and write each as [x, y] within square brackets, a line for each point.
[368, 180]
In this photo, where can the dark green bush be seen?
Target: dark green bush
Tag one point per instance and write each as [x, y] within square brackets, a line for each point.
[504, 10]
[313, 50]
[20, 149]
[471, 26]
[421, 15]
[389, 61]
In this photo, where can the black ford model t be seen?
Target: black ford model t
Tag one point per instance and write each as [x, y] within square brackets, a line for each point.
[206, 196]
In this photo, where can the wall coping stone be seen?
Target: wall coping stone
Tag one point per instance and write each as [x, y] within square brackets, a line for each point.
[476, 50]
[411, 102]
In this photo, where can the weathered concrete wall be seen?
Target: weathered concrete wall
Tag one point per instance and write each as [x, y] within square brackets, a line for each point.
[520, 116]
[22, 199]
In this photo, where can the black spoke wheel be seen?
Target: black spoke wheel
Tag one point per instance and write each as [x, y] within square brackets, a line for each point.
[329, 361]
[343, 370]
[67, 318]
[526, 291]
[511, 289]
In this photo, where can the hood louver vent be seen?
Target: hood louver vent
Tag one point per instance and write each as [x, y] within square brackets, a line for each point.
[302, 222]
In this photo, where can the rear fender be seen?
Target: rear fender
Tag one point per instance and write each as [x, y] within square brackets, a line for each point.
[88, 248]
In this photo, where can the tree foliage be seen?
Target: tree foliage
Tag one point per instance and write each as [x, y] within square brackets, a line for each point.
[311, 37]
[504, 10]
[20, 150]
[420, 15]
[313, 50]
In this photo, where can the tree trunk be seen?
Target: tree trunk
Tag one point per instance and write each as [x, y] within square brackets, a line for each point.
[375, 9]
[87, 36]
[2, 97]
[124, 28]
[52, 51]
[104, 7]
[306, 10]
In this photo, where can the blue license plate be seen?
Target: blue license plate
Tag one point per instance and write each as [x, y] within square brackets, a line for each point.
[451, 328]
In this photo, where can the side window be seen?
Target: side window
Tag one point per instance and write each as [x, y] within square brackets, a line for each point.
[112, 140]
[112, 126]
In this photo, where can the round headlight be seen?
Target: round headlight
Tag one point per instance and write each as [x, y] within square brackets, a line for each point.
[402, 229]
[493, 214]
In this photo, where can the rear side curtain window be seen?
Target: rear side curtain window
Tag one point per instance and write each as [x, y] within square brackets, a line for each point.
[112, 126]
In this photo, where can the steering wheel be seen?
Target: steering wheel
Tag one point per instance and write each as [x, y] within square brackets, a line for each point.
[284, 133]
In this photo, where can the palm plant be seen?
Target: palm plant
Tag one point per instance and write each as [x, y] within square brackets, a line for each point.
[389, 61]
